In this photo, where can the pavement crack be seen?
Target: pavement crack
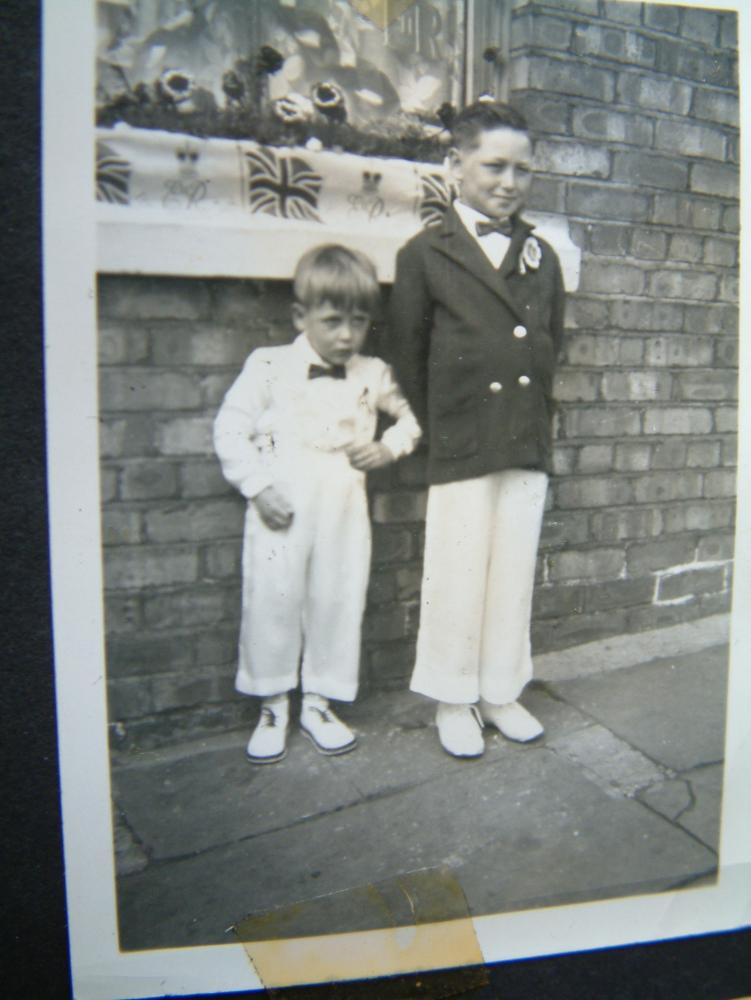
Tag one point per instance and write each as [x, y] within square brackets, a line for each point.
[678, 826]
[691, 799]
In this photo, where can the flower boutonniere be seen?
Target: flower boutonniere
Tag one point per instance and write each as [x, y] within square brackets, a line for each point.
[530, 256]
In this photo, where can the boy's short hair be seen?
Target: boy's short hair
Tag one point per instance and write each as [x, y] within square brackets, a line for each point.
[344, 278]
[484, 116]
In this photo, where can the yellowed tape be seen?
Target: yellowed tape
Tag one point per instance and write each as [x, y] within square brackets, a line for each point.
[382, 12]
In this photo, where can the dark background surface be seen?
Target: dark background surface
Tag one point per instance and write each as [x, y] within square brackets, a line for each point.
[34, 943]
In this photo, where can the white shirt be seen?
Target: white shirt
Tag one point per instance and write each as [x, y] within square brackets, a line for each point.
[493, 245]
[273, 409]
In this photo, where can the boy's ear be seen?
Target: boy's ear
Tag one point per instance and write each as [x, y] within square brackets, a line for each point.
[454, 159]
[298, 316]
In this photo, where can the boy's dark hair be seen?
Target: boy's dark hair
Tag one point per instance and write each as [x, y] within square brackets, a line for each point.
[344, 278]
[484, 116]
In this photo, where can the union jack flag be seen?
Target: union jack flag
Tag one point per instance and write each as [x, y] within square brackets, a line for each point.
[435, 198]
[112, 176]
[284, 186]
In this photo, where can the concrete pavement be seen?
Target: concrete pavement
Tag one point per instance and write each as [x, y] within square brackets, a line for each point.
[622, 796]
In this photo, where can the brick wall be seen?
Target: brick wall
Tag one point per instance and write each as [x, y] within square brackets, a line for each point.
[635, 111]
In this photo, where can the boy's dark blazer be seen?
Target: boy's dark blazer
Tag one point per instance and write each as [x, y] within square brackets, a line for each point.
[474, 349]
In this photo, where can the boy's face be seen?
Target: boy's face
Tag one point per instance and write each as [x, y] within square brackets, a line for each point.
[494, 175]
[336, 334]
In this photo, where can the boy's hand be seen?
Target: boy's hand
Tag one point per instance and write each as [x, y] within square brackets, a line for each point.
[275, 510]
[373, 455]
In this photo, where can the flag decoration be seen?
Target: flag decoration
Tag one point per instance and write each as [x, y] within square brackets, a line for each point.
[112, 176]
[435, 198]
[282, 185]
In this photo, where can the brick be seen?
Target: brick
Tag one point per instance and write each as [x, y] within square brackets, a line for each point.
[391, 662]
[706, 516]
[398, 507]
[613, 421]
[132, 298]
[724, 253]
[172, 691]
[108, 485]
[689, 581]
[146, 480]
[635, 457]
[625, 13]
[610, 126]
[669, 455]
[613, 277]
[121, 526]
[649, 244]
[221, 560]
[197, 606]
[214, 388]
[679, 351]
[661, 616]
[142, 389]
[636, 385]
[678, 420]
[564, 460]
[645, 170]
[125, 436]
[185, 436]
[659, 555]
[701, 26]
[686, 210]
[690, 284]
[710, 318]
[236, 301]
[623, 525]
[573, 630]
[717, 106]
[128, 698]
[714, 604]
[122, 612]
[539, 30]
[122, 343]
[703, 454]
[547, 194]
[558, 76]
[544, 114]
[149, 566]
[573, 386]
[595, 458]
[391, 544]
[215, 646]
[386, 624]
[680, 59]
[197, 521]
[408, 583]
[714, 547]
[382, 588]
[636, 314]
[654, 93]
[599, 202]
[583, 313]
[202, 479]
[729, 30]
[564, 528]
[730, 451]
[575, 159]
[666, 486]
[596, 491]
[708, 385]
[609, 240]
[685, 246]
[729, 287]
[718, 179]
[144, 654]
[555, 601]
[665, 18]
[584, 349]
[618, 594]
[202, 345]
[720, 483]
[690, 140]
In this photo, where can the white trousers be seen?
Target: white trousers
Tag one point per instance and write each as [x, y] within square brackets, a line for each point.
[304, 588]
[481, 539]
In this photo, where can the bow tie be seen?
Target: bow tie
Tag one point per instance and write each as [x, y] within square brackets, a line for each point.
[335, 371]
[504, 226]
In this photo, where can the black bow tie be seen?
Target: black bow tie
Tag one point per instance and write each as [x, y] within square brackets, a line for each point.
[504, 226]
[335, 371]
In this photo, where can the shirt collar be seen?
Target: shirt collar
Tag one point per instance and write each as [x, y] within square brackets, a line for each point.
[470, 217]
[310, 356]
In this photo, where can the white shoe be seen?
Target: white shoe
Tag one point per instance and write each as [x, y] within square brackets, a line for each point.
[328, 734]
[268, 744]
[460, 730]
[513, 721]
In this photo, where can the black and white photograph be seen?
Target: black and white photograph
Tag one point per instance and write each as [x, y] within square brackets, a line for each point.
[397, 553]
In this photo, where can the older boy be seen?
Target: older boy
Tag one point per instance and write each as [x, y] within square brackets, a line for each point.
[476, 320]
[295, 436]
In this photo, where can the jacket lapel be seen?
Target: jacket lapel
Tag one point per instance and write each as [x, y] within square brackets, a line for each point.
[453, 241]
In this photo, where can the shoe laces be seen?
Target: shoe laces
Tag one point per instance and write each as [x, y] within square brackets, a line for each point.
[268, 717]
[325, 713]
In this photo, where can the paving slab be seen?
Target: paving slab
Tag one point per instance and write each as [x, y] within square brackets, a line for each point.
[702, 817]
[610, 762]
[525, 826]
[672, 710]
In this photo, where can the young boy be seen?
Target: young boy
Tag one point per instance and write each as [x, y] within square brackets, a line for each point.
[476, 320]
[295, 436]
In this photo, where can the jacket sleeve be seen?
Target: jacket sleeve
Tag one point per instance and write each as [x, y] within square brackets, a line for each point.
[557, 308]
[410, 319]
[235, 428]
[402, 437]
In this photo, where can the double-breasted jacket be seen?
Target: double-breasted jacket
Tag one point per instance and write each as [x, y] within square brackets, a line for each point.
[475, 348]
